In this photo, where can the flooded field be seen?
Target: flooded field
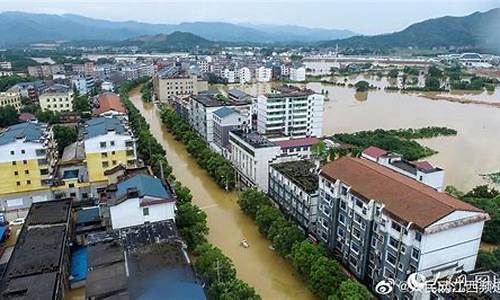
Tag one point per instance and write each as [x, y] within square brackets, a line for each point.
[272, 276]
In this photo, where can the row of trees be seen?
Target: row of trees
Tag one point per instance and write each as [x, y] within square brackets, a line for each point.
[322, 274]
[210, 263]
[147, 91]
[219, 168]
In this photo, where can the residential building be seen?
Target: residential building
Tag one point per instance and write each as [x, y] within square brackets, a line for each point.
[45, 71]
[229, 75]
[245, 75]
[138, 200]
[40, 262]
[298, 74]
[201, 116]
[57, 97]
[300, 147]
[27, 90]
[293, 187]
[384, 225]
[251, 155]
[10, 98]
[226, 119]
[80, 84]
[110, 105]
[28, 159]
[263, 74]
[290, 111]
[107, 142]
[421, 171]
[107, 86]
[176, 83]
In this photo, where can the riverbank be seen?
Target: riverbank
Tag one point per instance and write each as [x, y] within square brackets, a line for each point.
[272, 276]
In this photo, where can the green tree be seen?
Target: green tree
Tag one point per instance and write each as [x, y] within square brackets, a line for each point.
[320, 151]
[212, 265]
[234, 289]
[192, 224]
[183, 193]
[48, 116]
[64, 136]
[435, 72]
[325, 277]
[362, 86]
[351, 290]
[432, 83]
[8, 116]
[393, 73]
[265, 217]
[303, 255]
[283, 235]
[250, 200]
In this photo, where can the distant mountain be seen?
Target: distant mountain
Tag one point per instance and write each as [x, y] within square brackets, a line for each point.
[478, 30]
[162, 42]
[18, 28]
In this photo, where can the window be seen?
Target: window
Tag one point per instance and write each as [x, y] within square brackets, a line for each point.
[28, 181]
[343, 205]
[114, 162]
[113, 152]
[13, 163]
[102, 144]
[105, 164]
[356, 233]
[11, 152]
[343, 190]
[23, 151]
[340, 232]
[25, 162]
[418, 236]
[342, 219]
[26, 172]
[104, 154]
[394, 243]
[415, 254]
[355, 247]
[145, 211]
[18, 183]
[359, 203]
[396, 226]
[71, 185]
[112, 143]
[391, 259]
[357, 218]
[16, 173]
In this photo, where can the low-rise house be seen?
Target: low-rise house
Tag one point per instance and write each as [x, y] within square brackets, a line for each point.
[110, 105]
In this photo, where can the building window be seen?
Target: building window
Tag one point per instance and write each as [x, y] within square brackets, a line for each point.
[11, 152]
[145, 211]
[102, 144]
[26, 172]
[359, 203]
[114, 162]
[394, 243]
[28, 181]
[113, 152]
[355, 247]
[71, 185]
[105, 164]
[23, 151]
[391, 259]
[356, 233]
[112, 143]
[415, 254]
[18, 183]
[343, 205]
[16, 173]
[13, 163]
[342, 219]
[104, 154]
[396, 226]
[418, 236]
[343, 191]
[25, 162]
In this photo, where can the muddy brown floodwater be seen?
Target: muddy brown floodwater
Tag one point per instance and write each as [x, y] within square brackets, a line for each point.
[272, 276]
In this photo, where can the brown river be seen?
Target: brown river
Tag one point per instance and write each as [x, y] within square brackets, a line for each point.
[271, 276]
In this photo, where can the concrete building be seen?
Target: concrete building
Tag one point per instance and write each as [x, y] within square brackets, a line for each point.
[201, 116]
[263, 74]
[226, 119]
[245, 75]
[293, 186]
[251, 155]
[229, 75]
[421, 171]
[298, 74]
[27, 161]
[107, 86]
[11, 98]
[40, 262]
[290, 111]
[80, 84]
[110, 105]
[300, 147]
[108, 142]
[384, 225]
[176, 83]
[138, 200]
[57, 97]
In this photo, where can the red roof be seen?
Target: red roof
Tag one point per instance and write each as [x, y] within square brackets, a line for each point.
[26, 117]
[374, 152]
[403, 197]
[109, 101]
[292, 143]
[424, 165]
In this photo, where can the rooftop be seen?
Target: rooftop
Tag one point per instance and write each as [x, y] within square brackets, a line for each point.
[100, 126]
[30, 131]
[143, 185]
[403, 197]
[49, 212]
[289, 91]
[237, 94]
[301, 142]
[146, 234]
[254, 139]
[56, 88]
[23, 288]
[299, 172]
[208, 101]
[224, 112]
[73, 152]
[109, 102]
[374, 152]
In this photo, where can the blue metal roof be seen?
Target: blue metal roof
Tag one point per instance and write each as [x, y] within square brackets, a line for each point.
[100, 126]
[3, 230]
[29, 130]
[146, 186]
[224, 112]
[87, 215]
[79, 264]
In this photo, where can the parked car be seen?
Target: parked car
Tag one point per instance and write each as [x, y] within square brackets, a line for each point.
[18, 221]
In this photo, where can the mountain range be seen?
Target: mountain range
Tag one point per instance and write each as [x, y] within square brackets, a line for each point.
[480, 30]
[19, 28]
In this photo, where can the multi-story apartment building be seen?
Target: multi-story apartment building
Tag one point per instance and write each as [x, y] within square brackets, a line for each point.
[245, 75]
[28, 158]
[176, 83]
[107, 142]
[293, 186]
[225, 120]
[290, 111]
[201, 114]
[421, 171]
[384, 225]
[57, 97]
[263, 74]
[11, 98]
[251, 155]
[298, 74]
[229, 75]
[27, 90]
[45, 71]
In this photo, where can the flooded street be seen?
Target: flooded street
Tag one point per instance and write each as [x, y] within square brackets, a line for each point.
[271, 276]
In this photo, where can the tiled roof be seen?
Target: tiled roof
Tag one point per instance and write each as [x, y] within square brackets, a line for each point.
[146, 186]
[405, 198]
[301, 142]
[374, 152]
[100, 126]
[29, 130]
[109, 101]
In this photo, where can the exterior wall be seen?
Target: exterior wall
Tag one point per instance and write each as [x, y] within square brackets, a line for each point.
[201, 119]
[101, 158]
[298, 74]
[263, 74]
[129, 213]
[222, 126]
[245, 75]
[10, 98]
[165, 87]
[61, 102]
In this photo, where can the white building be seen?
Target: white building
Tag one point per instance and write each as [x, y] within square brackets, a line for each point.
[245, 75]
[107, 86]
[263, 74]
[421, 171]
[225, 120]
[80, 83]
[251, 155]
[201, 116]
[138, 200]
[229, 75]
[57, 97]
[291, 112]
[298, 74]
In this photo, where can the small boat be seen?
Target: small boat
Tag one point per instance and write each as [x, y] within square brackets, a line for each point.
[244, 243]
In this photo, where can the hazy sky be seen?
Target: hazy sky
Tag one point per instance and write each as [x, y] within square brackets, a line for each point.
[363, 16]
